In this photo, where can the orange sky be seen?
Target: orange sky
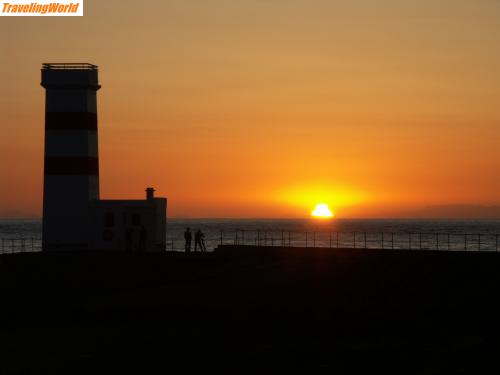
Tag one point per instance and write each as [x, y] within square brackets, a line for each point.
[264, 108]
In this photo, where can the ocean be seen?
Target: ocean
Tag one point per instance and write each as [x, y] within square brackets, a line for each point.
[453, 235]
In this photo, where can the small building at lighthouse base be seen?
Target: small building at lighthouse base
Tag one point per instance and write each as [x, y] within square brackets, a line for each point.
[128, 225]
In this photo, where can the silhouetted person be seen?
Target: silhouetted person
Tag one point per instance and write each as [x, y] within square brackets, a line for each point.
[187, 237]
[197, 240]
[202, 239]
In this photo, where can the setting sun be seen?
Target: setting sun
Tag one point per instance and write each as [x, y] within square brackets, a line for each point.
[322, 211]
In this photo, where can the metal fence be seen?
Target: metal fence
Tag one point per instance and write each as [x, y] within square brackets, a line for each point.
[351, 240]
[20, 245]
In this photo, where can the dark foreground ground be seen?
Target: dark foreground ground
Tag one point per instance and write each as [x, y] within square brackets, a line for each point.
[247, 309]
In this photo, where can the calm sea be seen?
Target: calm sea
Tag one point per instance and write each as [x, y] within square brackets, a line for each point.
[426, 234]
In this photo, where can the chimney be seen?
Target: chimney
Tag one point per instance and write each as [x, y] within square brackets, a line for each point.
[150, 193]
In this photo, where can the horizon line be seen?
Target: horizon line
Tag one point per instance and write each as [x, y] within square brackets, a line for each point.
[300, 218]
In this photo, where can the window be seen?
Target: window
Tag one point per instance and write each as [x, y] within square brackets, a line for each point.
[109, 220]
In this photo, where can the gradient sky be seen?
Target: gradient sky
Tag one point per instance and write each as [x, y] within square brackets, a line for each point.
[262, 108]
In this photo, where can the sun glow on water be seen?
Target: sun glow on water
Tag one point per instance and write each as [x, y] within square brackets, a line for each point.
[322, 211]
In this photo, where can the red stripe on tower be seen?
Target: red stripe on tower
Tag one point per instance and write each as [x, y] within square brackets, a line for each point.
[70, 121]
[71, 165]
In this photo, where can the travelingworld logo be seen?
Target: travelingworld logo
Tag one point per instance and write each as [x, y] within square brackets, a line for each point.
[21, 8]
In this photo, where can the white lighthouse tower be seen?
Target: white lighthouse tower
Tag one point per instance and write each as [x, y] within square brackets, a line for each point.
[71, 165]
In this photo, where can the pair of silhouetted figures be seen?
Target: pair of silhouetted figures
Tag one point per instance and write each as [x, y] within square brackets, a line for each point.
[199, 240]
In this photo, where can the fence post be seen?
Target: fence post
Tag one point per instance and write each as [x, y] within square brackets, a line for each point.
[354, 239]
[465, 242]
[32, 245]
[221, 238]
[382, 240]
[392, 240]
[282, 239]
[448, 242]
[243, 237]
[337, 240]
[306, 239]
[479, 242]
[289, 239]
[496, 243]
[420, 239]
[236, 238]
[409, 241]
[330, 240]
[365, 239]
[265, 238]
[437, 241]
[314, 239]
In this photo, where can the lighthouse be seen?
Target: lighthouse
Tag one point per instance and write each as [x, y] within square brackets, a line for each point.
[71, 164]
[74, 216]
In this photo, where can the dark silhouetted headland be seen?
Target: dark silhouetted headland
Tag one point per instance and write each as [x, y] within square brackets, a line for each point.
[248, 308]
